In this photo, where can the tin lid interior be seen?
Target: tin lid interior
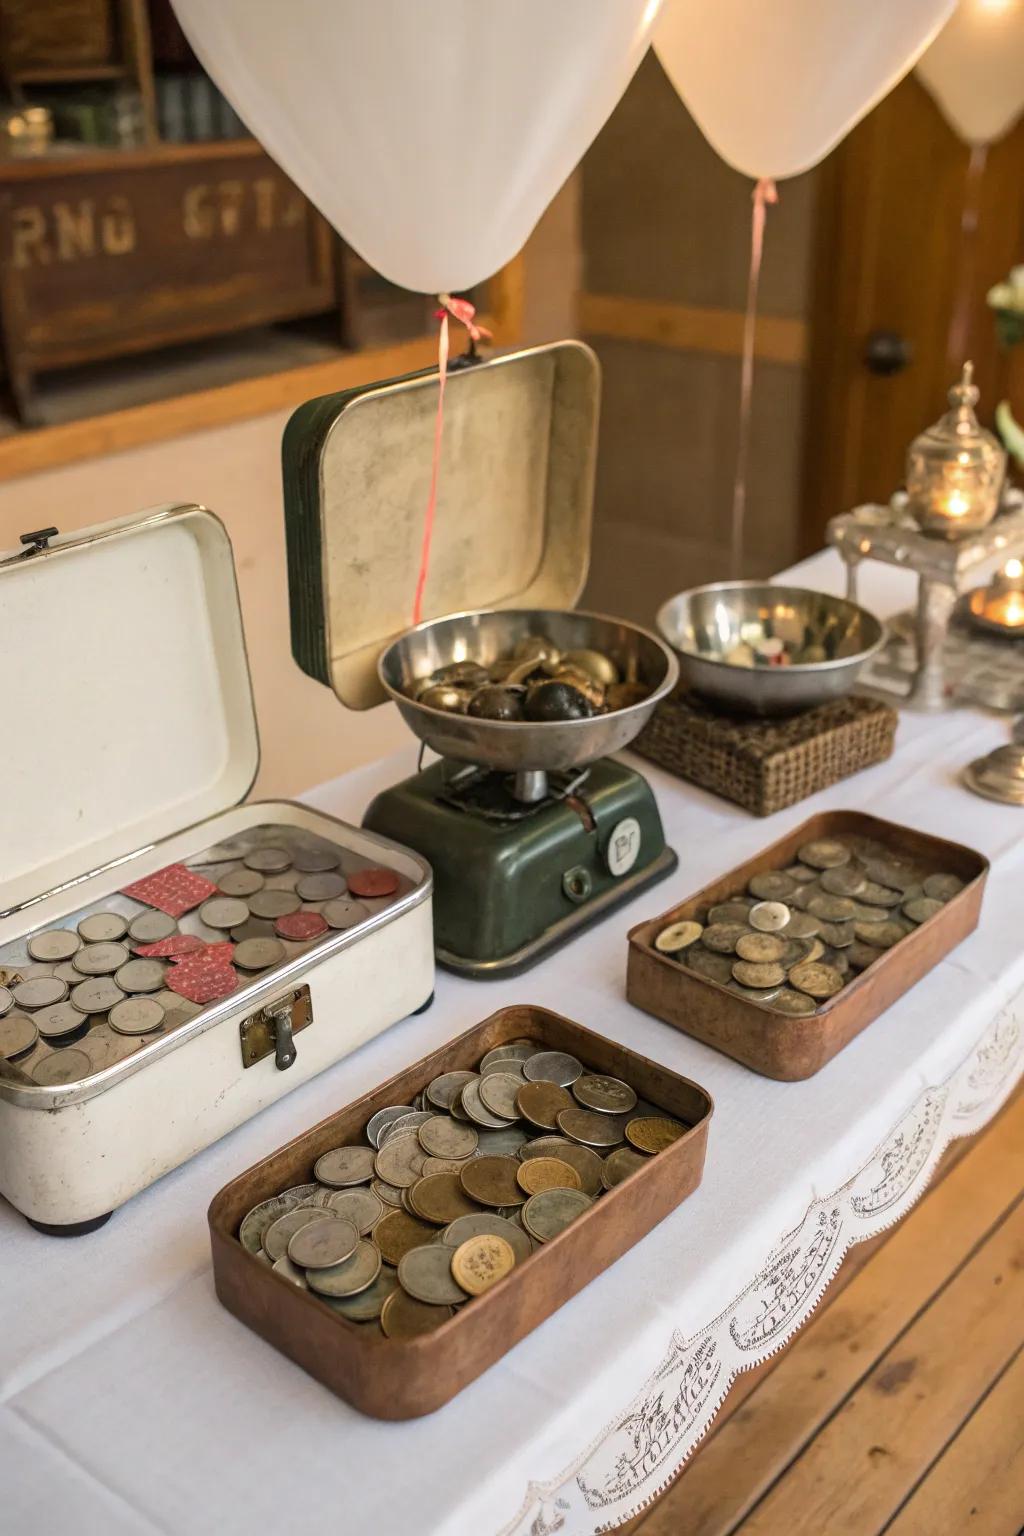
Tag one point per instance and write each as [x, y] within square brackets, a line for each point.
[514, 505]
[127, 700]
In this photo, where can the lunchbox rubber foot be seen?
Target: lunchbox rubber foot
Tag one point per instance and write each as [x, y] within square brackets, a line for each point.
[423, 1006]
[70, 1228]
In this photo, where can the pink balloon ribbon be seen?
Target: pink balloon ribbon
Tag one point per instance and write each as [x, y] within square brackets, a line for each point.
[465, 313]
[764, 193]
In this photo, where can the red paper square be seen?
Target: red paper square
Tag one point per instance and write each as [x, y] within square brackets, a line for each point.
[175, 948]
[206, 957]
[203, 986]
[174, 890]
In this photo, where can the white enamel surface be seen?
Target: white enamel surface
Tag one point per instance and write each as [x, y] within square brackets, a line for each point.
[127, 693]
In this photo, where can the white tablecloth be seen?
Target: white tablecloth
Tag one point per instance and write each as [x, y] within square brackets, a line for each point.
[130, 1401]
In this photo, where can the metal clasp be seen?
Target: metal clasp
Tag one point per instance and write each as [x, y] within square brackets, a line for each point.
[274, 1028]
[36, 542]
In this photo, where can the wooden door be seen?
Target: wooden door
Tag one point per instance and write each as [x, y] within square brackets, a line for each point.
[892, 259]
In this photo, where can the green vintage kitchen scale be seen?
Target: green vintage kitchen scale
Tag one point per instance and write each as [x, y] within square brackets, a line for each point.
[533, 829]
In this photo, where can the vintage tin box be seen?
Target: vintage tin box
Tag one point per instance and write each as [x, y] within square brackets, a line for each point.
[132, 744]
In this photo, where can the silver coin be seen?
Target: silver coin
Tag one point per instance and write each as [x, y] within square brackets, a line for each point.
[552, 1067]
[96, 995]
[315, 861]
[269, 861]
[258, 954]
[102, 928]
[344, 913]
[488, 1224]
[39, 992]
[136, 1016]
[348, 1278]
[591, 1128]
[937, 887]
[280, 1232]
[400, 1161]
[224, 911]
[410, 1121]
[768, 916]
[67, 1066]
[151, 927]
[754, 994]
[344, 1166]
[256, 1221]
[426, 1274]
[477, 1110]
[240, 882]
[59, 1019]
[320, 1198]
[55, 944]
[516, 1050]
[498, 1092]
[321, 1244]
[383, 1118]
[389, 1193]
[140, 976]
[177, 1010]
[444, 1090]
[66, 972]
[100, 959]
[503, 1064]
[6, 1000]
[18, 1035]
[29, 971]
[440, 1136]
[360, 1206]
[300, 1191]
[323, 887]
[366, 1305]
[291, 1272]
[550, 1212]
[604, 1095]
[273, 903]
[500, 1143]
[253, 928]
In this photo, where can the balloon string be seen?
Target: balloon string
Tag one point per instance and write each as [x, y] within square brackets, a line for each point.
[959, 324]
[463, 311]
[764, 193]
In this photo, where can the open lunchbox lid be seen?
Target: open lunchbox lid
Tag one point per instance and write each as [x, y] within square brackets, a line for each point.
[127, 698]
[514, 505]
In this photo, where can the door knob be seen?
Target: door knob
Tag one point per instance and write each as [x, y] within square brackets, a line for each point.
[887, 352]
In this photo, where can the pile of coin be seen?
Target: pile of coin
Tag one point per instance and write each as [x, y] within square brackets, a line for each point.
[796, 936]
[77, 998]
[448, 1194]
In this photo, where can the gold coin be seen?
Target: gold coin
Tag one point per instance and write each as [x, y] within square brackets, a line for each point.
[721, 937]
[761, 948]
[883, 935]
[823, 853]
[795, 1004]
[403, 1317]
[653, 1133]
[541, 1104]
[397, 1232]
[748, 974]
[439, 1198]
[815, 979]
[492, 1181]
[481, 1262]
[547, 1173]
[678, 936]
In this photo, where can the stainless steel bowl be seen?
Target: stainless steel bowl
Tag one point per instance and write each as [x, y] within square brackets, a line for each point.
[705, 624]
[523, 746]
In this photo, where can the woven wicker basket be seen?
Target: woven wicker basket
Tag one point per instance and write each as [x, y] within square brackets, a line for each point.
[765, 765]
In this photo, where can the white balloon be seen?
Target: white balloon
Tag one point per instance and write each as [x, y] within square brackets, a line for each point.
[975, 69]
[775, 84]
[431, 133]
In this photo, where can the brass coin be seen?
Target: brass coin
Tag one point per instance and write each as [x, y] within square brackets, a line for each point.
[824, 853]
[18, 1034]
[771, 885]
[321, 1244]
[365, 1306]
[619, 1165]
[441, 1136]
[481, 1262]
[426, 1274]
[940, 887]
[402, 1317]
[721, 938]
[590, 1128]
[862, 955]
[800, 873]
[816, 951]
[802, 925]
[794, 1003]
[804, 895]
[350, 1276]
[653, 1133]
[605, 1095]
[678, 936]
[439, 1198]
[398, 1232]
[482, 1222]
[433, 1165]
[359, 1206]
[846, 880]
[894, 873]
[769, 916]
[344, 1166]
[498, 1092]
[492, 1181]
[734, 911]
[754, 994]
[838, 935]
[711, 966]
[760, 977]
[585, 1160]
[873, 895]
[919, 910]
[761, 948]
[549, 1213]
[541, 1104]
[62, 1067]
[816, 979]
[838, 959]
[882, 935]
[797, 950]
[831, 909]
[539, 1173]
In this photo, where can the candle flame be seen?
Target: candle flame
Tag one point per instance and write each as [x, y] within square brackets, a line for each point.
[1013, 568]
[957, 504]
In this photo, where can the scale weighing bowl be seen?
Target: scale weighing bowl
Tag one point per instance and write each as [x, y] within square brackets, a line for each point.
[524, 747]
[706, 623]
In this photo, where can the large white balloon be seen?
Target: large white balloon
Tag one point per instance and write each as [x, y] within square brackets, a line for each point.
[431, 133]
[775, 84]
[975, 69]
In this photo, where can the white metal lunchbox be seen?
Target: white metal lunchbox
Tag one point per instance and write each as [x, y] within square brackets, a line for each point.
[162, 943]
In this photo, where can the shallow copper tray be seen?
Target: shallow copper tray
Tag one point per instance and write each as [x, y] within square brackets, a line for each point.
[776, 1044]
[398, 1378]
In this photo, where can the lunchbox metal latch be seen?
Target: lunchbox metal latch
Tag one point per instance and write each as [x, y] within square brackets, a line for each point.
[273, 1029]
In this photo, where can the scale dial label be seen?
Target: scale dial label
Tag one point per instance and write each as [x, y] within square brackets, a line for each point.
[623, 846]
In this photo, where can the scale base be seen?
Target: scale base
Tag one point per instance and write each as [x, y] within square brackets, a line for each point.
[510, 889]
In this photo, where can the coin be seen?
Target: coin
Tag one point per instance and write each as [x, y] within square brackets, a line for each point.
[678, 936]
[515, 1050]
[653, 1133]
[410, 1121]
[102, 927]
[768, 916]
[268, 861]
[547, 1173]
[344, 1166]
[882, 935]
[344, 913]
[18, 1034]
[402, 1317]
[838, 935]
[39, 992]
[620, 1164]
[804, 895]
[240, 882]
[771, 885]
[442, 1165]
[389, 1193]
[398, 1232]
[712, 967]
[893, 872]
[55, 944]
[734, 911]
[271, 904]
[280, 1232]
[373, 883]
[873, 895]
[253, 928]
[498, 1094]
[794, 1003]
[323, 887]
[845, 880]
[97, 995]
[439, 1198]
[492, 1181]
[606, 1095]
[758, 976]
[256, 1221]
[349, 1277]
[140, 976]
[471, 1102]
[816, 979]
[383, 1118]
[862, 955]
[224, 911]
[937, 887]
[593, 1130]
[258, 954]
[400, 1160]
[443, 1137]
[824, 853]
[802, 925]
[800, 873]
[919, 911]
[67, 1066]
[549, 1213]
[481, 1262]
[367, 1304]
[540, 1103]
[761, 948]
[584, 1159]
[7, 998]
[483, 1222]
[322, 1243]
[754, 994]
[501, 1143]
[832, 909]
[313, 861]
[722, 938]
[151, 927]
[290, 1272]
[426, 1275]
[444, 1090]
[100, 959]
[552, 1067]
[503, 1064]
[58, 1019]
[136, 1016]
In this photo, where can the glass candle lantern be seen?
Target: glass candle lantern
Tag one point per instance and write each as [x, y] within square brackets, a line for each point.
[955, 469]
[1000, 605]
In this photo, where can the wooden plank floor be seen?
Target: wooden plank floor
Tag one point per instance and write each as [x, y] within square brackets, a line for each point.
[900, 1406]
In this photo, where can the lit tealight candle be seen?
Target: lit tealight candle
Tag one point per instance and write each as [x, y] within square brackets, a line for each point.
[1000, 605]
